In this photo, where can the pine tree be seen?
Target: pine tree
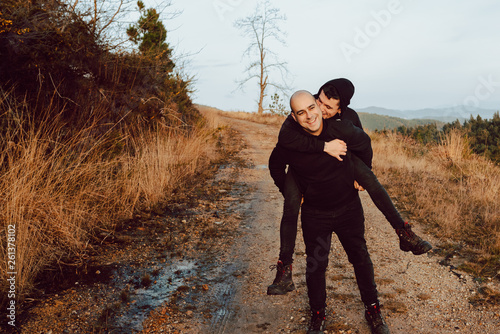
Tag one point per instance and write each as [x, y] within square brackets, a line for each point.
[150, 33]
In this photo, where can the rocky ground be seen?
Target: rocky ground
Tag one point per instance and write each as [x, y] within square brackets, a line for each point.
[202, 266]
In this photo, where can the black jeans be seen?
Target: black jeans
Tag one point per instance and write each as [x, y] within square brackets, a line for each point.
[365, 177]
[293, 197]
[288, 226]
[348, 223]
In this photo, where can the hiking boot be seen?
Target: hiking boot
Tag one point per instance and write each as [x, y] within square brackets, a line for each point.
[283, 281]
[375, 319]
[409, 241]
[317, 323]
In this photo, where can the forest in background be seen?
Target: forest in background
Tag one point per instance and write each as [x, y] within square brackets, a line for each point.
[372, 122]
[482, 135]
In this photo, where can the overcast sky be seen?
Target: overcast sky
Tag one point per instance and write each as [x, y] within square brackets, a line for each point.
[399, 54]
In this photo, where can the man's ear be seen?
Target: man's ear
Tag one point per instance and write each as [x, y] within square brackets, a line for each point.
[293, 115]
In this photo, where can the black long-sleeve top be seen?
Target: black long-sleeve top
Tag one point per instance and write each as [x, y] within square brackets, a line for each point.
[293, 137]
[324, 181]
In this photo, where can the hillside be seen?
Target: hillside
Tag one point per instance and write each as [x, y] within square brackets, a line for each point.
[445, 115]
[380, 122]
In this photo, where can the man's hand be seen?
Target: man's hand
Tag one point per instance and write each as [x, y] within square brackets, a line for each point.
[336, 148]
[357, 186]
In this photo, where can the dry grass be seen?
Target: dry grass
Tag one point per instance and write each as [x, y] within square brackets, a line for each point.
[211, 116]
[249, 116]
[446, 186]
[485, 296]
[60, 194]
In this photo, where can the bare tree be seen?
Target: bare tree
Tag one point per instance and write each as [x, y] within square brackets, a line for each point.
[108, 19]
[102, 17]
[262, 27]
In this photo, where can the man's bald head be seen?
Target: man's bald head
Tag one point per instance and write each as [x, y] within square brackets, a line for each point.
[299, 95]
[306, 112]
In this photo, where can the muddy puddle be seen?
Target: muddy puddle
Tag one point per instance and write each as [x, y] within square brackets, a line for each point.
[150, 295]
[258, 167]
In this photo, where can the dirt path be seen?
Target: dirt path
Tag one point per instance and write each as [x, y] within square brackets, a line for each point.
[418, 294]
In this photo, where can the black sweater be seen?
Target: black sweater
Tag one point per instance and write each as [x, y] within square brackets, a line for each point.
[325, 182]
[295, 139]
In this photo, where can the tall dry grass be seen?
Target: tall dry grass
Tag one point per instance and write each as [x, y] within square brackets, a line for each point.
[58, 195]
[446, 186]
[265, 118]
[211, 116]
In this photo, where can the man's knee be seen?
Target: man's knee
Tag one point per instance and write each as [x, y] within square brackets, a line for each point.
[316, 265]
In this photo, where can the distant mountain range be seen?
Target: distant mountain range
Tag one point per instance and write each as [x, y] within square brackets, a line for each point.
[442, 114]
[382, 118]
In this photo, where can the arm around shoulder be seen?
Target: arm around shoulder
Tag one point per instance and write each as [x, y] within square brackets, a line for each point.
[293, 138]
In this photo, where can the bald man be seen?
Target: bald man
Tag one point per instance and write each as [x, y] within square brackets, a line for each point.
[331, 204]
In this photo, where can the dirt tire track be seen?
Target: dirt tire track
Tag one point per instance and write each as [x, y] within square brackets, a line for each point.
[419, 295]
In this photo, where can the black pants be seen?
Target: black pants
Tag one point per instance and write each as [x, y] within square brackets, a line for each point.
[293, 196]
[347, 223]
[377, 192]
[288, 226]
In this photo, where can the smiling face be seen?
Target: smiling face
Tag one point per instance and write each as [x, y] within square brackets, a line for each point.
[329, 107]
[306, 112]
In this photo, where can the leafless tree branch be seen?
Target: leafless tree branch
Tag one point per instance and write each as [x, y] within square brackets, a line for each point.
[262, 27]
